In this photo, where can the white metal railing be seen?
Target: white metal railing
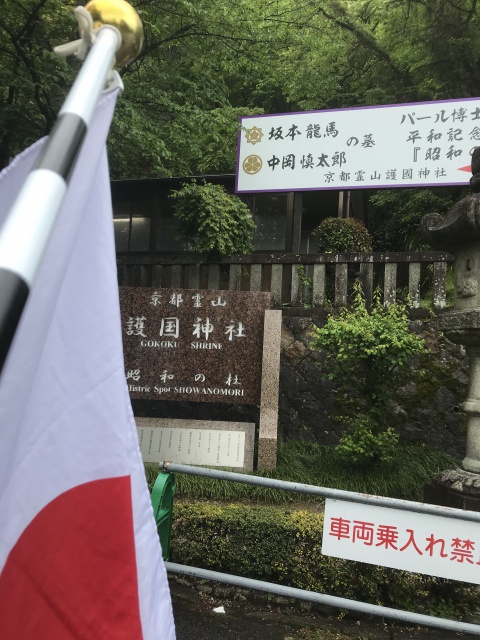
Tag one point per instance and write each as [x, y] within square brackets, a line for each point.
[320, 598]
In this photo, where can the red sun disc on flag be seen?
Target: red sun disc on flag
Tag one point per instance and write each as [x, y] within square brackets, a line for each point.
[72, 573]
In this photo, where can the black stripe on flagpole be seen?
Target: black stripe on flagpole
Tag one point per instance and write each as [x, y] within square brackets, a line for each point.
[63, 145]
[58, 156]
[14, 293]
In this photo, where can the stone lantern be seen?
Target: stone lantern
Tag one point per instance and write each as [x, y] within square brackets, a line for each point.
[459, 232]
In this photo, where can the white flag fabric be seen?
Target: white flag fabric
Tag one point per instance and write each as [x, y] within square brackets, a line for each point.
[80, 556]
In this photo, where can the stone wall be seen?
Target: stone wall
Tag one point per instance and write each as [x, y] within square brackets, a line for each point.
[425, 410]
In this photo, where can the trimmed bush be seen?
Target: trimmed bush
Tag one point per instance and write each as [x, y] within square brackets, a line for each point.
[341, 235]
[272, 544]
[212, 221]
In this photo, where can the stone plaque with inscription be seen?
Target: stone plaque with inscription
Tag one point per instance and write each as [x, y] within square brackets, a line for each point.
[197, 345]
[197, 442]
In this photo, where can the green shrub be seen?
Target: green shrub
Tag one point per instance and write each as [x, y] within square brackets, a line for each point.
[341, 235]
[212, 221]
[284, 547]
[367, 349]
[364, 445]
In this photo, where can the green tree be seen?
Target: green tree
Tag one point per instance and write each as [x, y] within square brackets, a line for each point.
[396, 215]
[205, 63]
[212, 221]
[175, 116]
[366, 351]
[33, 81]
[354, 52]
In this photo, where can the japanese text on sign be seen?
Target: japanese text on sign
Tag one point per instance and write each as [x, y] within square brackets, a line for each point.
[418, 144]
[193, 446]
[195, 345]
[422, 543]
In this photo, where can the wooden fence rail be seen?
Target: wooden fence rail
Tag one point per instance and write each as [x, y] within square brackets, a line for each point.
[313, 280]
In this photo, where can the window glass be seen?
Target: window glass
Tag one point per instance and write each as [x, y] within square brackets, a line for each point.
[270, 221]
[132, 225]
[167, 228]
[140, 235]
[121, 227]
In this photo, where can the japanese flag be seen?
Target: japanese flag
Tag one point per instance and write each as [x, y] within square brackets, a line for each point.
[79, 551]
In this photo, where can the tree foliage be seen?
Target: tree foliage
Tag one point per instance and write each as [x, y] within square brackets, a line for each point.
[206, 63]
[175, 116]
[355, 52]
[396, 215]
[33, 81]
[212, 221]
[368, 347]
[365, 351]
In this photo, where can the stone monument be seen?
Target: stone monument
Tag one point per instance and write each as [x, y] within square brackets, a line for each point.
[459, 232]
[203, 346]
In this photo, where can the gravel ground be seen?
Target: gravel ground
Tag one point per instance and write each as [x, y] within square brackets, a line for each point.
[196, 620]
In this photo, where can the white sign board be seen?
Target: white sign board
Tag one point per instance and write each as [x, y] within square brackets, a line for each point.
[417, 542]
[206, 447]
[418, 144]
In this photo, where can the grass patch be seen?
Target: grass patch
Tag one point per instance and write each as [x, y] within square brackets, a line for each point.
[310, 463]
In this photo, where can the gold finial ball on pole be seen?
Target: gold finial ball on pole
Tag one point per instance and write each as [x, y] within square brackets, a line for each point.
[123, 16]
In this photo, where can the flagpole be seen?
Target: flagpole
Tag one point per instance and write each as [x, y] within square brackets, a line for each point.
[30, 222]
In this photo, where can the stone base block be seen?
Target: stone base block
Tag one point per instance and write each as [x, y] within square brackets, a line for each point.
[267, 453]
[455, 488]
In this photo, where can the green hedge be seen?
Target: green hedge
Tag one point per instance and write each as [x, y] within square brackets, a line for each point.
[339, 235]
[275, 545]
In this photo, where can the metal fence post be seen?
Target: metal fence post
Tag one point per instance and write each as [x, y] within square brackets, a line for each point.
[162, 502]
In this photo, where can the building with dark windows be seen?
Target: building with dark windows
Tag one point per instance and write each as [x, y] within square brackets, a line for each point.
[145, 222]
[283, 262]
